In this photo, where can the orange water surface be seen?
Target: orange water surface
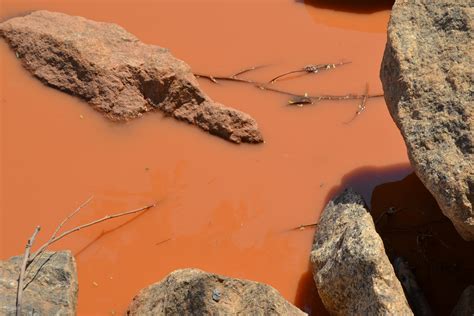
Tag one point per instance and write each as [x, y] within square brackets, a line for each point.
[224, 208]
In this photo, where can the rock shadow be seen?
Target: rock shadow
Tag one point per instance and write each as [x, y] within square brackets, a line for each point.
[443, 262]
[363, 180]
[361, 6]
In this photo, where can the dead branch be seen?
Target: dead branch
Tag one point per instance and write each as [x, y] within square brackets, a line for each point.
[69, 217]
[296, 99]
[77, 228]
[361, 106]
[21, 279]
[29, 259]
[309, 69]
[301, 227]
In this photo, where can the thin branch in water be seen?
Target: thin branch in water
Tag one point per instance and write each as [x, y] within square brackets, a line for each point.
[300, 101]
[163, 241]
[310, 69]
[77, 228]
[243, 71]
[301, 227]
[29, 259]
[296, 99]
[84, 204]
[362, 105]
[24, 264]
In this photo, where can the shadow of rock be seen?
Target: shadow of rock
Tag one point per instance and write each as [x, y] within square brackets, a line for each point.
[360, 6]
[307, 297]
[441, 260]
[363, 180]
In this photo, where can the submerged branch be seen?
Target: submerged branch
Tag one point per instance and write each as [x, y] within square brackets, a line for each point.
[296, 99]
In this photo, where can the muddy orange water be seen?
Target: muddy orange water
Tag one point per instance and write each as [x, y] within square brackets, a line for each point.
[224, 208]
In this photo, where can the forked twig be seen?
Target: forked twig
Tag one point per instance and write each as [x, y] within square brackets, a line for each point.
[24, 265]
[296, 99]
[77, 228]
[29, 259]
[310, 69]
[361, 106]
[70, 216]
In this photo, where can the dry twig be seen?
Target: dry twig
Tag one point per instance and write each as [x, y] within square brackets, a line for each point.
[296, 99]
[361, 107]
[310, 69]
[29, 259]
[301, 227]
[24, 265]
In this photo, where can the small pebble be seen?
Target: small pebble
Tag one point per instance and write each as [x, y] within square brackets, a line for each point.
[95, 284]
[216, 295]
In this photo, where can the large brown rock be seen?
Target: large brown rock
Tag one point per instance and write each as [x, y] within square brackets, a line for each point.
[195, 292]
[117, 74]
[51, 285]
[352, 272]
[427, 76]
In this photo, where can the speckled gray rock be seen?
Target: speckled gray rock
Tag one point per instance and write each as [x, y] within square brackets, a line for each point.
[427, 76]
[465, 305]
[52, 291]
[195, 292]
[117, 74]
[352, 272]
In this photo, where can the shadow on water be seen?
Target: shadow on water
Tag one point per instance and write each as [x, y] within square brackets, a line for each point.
[360, 6]
[363, 180]
[441, 260]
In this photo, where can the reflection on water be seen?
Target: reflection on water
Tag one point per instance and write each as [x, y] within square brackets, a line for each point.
[222, 208]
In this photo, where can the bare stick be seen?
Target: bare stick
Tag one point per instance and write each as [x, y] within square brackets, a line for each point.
[21, 279]
[77, 228]
[297, 99]
[361, 107]
[248, 70]
[309, 69]
[301, 227]
[69, 217]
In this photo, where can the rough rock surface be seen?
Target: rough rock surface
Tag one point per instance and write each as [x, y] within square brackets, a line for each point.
[352, 272]
[117, 74]
[50, 291]
[465, 305]
[427, 76]
[195, 292]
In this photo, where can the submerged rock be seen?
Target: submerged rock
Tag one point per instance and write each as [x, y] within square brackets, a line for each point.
[51, 285]
[195, 292]
[117, 74]
[428, 84]
[465, 305]
[352, 272]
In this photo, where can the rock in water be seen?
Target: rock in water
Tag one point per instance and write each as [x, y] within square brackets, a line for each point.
[427, 76]
[195, 292]
[52, 291]
[352, 272]
[117, 74]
